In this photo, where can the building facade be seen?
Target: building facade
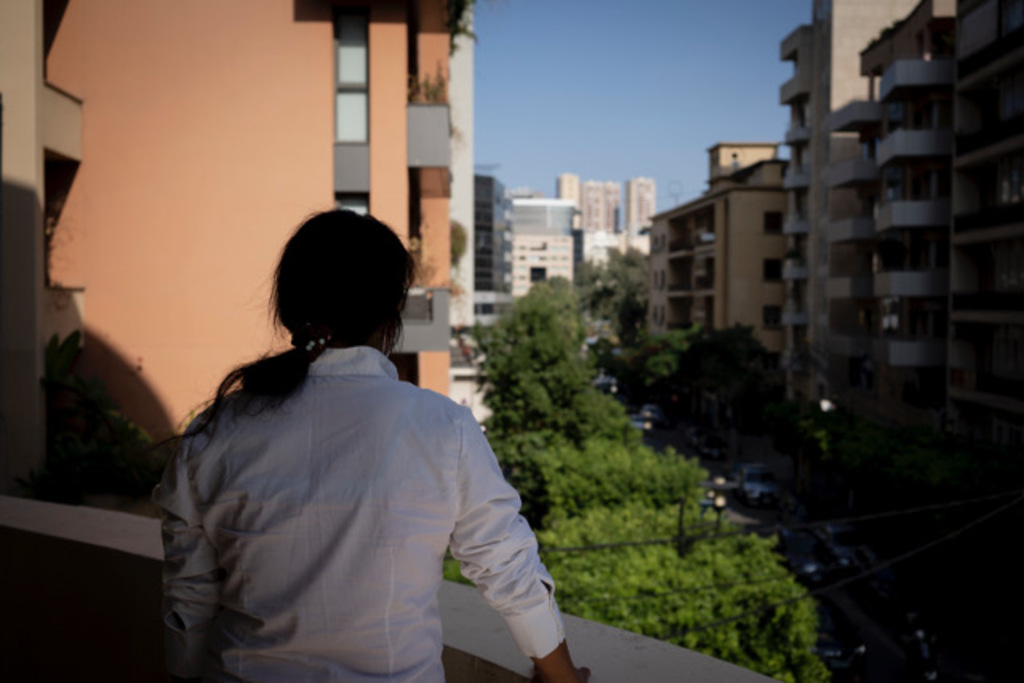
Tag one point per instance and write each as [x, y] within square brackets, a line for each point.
[826, 77]
[986, 351]
[151, 177]
[542, 242]
[641, 204]
[718, 260]
[492, 251]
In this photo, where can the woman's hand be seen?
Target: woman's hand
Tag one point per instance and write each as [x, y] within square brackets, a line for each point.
[557, 667]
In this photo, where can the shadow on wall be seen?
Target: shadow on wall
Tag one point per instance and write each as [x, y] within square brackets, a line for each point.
[129, 389]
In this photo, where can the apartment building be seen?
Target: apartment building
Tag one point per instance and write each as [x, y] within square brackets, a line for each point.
[641, 204]
[463, 193]
[542, 242]
[156, 157]
[492, 251]
[986, 358]
[826, 77]
[889, 217]
[719, 259]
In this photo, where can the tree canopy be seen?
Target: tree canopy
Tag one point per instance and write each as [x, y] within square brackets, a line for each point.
[616, 291]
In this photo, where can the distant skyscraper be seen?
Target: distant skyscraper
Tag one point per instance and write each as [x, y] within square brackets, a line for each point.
[640, 204]
[568, 187]
[592, 206]
[612, 202]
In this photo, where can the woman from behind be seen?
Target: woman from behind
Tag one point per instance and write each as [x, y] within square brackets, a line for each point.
[308, 511]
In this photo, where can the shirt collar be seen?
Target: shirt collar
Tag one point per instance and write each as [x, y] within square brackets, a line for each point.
[354, 360]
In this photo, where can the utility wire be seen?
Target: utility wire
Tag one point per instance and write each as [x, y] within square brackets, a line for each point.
[881, 565]
[772, 527]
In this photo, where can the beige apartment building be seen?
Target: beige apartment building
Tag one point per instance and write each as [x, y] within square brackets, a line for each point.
[542, 242]
[986, 358]
[889, 217]
[826, 77]
[155, 158]
[641, 204]
[719, 259]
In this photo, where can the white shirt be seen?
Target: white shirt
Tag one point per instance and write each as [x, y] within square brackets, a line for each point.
[305, 542]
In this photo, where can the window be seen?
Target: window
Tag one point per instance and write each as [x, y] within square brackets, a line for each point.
[352, 99]
[772, 269]
[772, 316]
[1011, 96]
[773, 222]
[538, 274]
[1013, 15]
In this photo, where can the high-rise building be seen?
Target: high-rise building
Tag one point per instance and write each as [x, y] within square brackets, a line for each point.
[492, 251]
[986, 359]
[827, 77]
[567, 186]
[593, 207]
[542, 239]
[151, 176]
[718, 260]
[612, 206]
[641, 204]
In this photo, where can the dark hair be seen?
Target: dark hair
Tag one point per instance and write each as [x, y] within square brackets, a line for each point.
[340, 271]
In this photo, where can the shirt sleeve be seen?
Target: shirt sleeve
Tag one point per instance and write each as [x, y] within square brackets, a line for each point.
[498, 550]
[191, 576]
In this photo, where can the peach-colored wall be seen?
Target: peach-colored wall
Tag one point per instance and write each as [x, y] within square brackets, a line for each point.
[433, 370]
[389, 67]
[207, 137]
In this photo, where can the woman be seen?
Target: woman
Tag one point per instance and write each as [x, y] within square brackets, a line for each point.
[309, 509]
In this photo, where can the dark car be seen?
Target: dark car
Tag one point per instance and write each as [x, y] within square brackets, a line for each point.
[805, 555]
[654, 413]
[756, 485]
[845, 544]
[712, 447]
[839, 644]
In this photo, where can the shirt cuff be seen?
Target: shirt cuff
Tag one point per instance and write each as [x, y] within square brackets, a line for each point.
[538, 630]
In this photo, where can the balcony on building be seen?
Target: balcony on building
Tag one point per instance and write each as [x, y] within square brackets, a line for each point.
[795, 315]
[909, 352]
[795, 269]
[798, 134]
[990, 307]
[984, 220]
[796, 177]
[797, 87]
[850, 287]
[853, 229]
[425, 322]
[855, 116]
[798, 39]
[794, 360]
[429, 147]
[914, 213]
[796, 225]
[61, 123]
[680, 245]
[906, 75]
[932, 282]
[974, 147]
[992, 390]
[906, 144]
[981, 48]
[853, 172]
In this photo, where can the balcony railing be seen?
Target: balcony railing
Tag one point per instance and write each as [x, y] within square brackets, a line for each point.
[856, 229]
[855, 116]
[989, 135]
[932, 282]
[988, 218]
[798, 135]
[796, 225]
[853, 172]
[796, 87]
[683, 244]
[989, 302]
[908, 74]
[850, 287]
[796, 177]
[988, 383]
[917, 144]
[914, 213]
[795, 269]
[991, 52]
[425, 324]
[68, 569]
[910, 353]
[429, 135]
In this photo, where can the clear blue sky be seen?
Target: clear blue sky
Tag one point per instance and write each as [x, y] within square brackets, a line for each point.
[612, 89]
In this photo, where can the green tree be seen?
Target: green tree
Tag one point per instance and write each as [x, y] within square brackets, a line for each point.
[616, 291]
[651, 590]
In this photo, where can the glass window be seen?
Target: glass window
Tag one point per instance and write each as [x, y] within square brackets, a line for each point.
[352, 101]
[351, 111]
[772, 269]
[772, 316]
[352, 49]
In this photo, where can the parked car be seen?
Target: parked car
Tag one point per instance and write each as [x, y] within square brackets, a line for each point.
[640, 422]
[756, 485]
[655, 414]
[712, 446]
[805, 555]
[845, 545]
[839, 645]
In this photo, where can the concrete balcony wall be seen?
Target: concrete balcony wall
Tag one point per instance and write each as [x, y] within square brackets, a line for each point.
[910, 353]
[61, 123]
[80, 594]
[855, 116]
[799, 38]
[351, 167]
[796, 177]
[906, 74]
[853, 172]
[856, 229]
[918, 283]
[919, 213]
[904, 144]
[850, 287]
[425, 322]
[796, 225]
[429, 136]
[798, 135]
[794, 269]
[795, 317]
[796, 87]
